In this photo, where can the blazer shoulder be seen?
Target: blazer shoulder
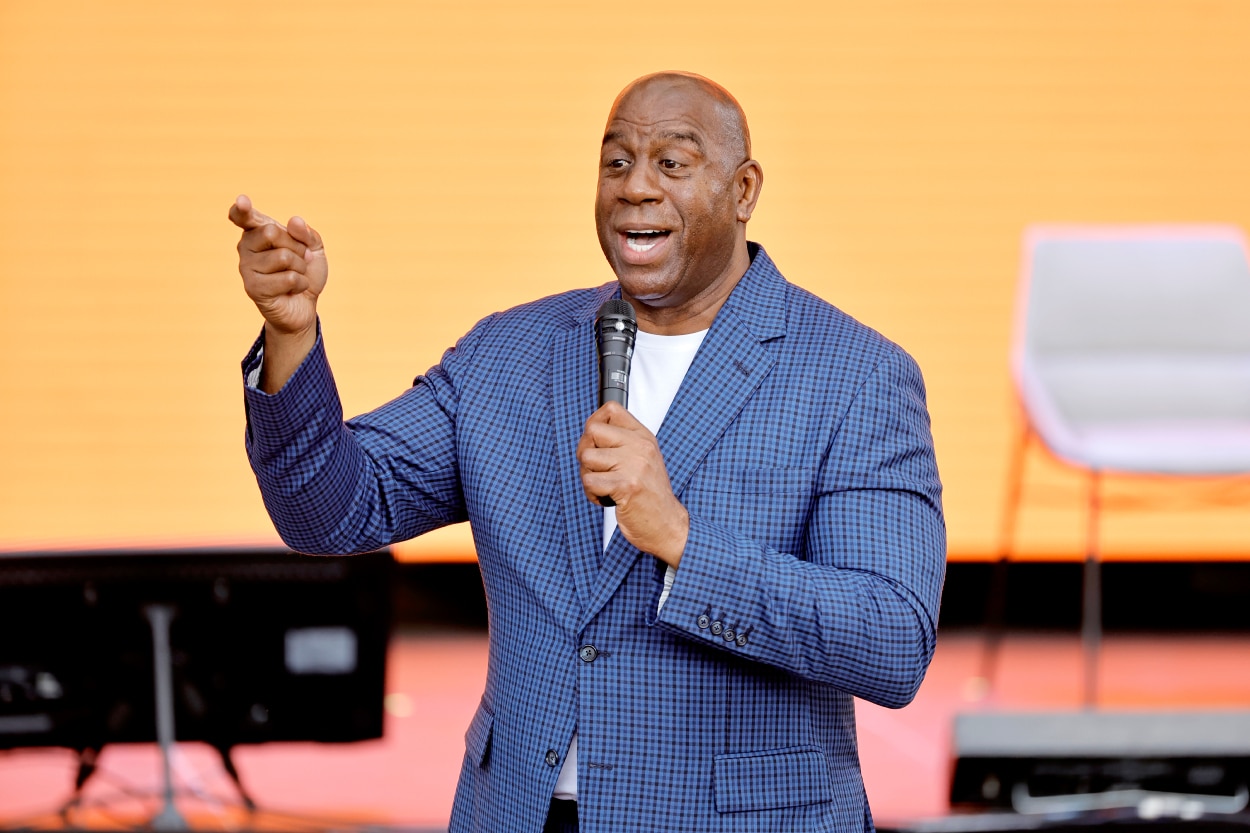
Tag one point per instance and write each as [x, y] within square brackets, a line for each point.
[558, 312]
[534, 323]
[518, 337]
[771, 306]
[824, 333]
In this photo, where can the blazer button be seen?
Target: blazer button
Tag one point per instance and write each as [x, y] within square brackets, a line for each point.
[552, 757]
[729, 634]
[588, 653]
[741, 640]
[703, 621]
[717, 627]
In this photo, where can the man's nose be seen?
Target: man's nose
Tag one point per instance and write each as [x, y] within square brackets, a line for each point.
[642, 184]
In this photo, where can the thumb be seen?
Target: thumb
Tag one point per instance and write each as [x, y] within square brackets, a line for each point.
[299, 229]
[614, 413]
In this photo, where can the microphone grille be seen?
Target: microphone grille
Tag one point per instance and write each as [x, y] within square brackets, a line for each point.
[617, 306]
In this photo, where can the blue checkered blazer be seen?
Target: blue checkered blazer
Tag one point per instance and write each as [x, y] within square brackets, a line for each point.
[799, 443]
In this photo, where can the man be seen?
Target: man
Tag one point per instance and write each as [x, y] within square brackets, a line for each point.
[687, 659]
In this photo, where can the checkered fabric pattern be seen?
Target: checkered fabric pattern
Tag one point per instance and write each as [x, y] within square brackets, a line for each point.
[800, 444]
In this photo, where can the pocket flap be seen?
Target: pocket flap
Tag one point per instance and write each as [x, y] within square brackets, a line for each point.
[771, 778]
[477, 738]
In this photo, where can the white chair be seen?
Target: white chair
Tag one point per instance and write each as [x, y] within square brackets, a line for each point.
[1131, 354]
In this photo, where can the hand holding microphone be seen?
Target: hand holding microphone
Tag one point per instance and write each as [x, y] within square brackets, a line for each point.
[621, 462]
[616, 328]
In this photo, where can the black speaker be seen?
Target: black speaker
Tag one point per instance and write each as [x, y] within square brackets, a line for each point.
[1161, 763]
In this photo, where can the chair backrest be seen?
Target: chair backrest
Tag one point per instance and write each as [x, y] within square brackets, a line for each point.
[1119, 324]
[1140, 289]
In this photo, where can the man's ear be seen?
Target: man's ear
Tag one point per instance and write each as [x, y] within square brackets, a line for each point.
[748, 181]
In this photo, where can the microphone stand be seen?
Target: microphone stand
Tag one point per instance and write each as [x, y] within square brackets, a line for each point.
[159, 617]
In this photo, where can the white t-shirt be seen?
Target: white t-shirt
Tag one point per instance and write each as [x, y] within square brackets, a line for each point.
[656, 372]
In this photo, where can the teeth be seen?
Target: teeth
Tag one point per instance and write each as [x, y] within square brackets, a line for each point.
[643, 240]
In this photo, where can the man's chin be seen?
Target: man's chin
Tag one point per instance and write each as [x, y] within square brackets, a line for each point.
[645, 286]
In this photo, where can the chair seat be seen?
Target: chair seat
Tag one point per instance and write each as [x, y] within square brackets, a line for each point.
[1149, 412]
[1192, 447]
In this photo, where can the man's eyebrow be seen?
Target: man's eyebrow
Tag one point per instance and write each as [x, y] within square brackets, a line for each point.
[670, 135]
[683, 136]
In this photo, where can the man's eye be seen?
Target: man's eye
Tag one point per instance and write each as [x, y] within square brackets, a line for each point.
[616, 164]
[670, 164]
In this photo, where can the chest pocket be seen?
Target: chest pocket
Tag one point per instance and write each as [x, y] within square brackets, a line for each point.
[768, 505]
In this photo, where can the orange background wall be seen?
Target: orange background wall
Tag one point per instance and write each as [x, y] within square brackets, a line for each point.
[447, 152]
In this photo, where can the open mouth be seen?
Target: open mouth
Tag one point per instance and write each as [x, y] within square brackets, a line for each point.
[645, 240]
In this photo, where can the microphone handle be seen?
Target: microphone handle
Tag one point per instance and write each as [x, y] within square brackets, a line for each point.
[615, 330]
[613, 387]
[614, 378]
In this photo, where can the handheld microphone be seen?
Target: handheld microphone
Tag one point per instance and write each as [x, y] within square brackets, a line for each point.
[616, 328]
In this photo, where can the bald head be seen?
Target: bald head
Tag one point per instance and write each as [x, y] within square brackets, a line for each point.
[677, 186]
[734, 136]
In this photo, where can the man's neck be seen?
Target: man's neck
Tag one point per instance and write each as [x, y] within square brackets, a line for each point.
[699, 312]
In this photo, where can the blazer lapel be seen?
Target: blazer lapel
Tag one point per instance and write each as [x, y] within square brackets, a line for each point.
[574, 394]
[730, 365]
[726, 372]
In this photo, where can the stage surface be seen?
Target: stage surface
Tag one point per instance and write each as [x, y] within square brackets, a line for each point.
[406, 780]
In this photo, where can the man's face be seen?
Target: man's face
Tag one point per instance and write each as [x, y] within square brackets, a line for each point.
[667, 205]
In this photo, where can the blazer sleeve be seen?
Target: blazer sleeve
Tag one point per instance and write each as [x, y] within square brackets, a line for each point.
[858, 609]
[338, 487]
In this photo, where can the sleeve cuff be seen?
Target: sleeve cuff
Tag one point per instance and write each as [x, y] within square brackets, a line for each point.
[700, 601]
[275, 419]
[669, 575]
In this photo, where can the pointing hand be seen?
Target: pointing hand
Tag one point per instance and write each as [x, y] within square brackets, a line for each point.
[284, 268]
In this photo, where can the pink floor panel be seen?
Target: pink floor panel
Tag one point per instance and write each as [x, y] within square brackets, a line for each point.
[434, 679]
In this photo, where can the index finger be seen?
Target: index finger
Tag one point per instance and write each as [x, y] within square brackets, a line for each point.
[245, 216]
[612, 427]
[616, 415]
